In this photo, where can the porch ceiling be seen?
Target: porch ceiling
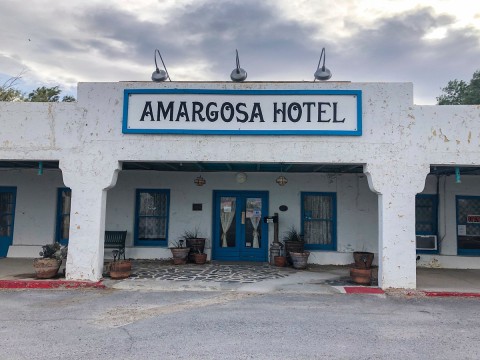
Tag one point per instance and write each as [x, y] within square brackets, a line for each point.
[21, 164]
[237, 167]
[243, 167]
[450, 170]
[276, 167]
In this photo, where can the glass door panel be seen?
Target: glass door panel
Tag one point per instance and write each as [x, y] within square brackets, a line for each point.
[228, 224]
[253, 216]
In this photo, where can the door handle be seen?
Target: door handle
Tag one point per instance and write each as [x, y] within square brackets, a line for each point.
[243, 217]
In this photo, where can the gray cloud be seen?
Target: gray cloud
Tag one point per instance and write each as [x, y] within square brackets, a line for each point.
[107, 43]
[395, 50]
[268, 44]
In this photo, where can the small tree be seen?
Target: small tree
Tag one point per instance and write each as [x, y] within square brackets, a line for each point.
[8, 91]
[68, 98]
[44, 94]
[458, 92]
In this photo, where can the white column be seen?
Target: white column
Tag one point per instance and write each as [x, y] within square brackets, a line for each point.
[87, 215]
[396, 187]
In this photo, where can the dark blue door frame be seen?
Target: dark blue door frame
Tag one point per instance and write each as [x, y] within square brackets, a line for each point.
[62, 213]
[240, 247]
[7, 218]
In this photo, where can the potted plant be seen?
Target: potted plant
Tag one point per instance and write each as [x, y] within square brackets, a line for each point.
[280, 260]
[120, 269]
[199, 257]
[361, 273]
[293, 242]
[51, 259]
[179, 253]
[299, 259]
[194, 241]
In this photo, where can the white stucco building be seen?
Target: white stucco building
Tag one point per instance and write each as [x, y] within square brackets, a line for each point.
[366, 170]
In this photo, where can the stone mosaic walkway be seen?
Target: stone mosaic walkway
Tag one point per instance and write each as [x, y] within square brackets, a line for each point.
[225, 273]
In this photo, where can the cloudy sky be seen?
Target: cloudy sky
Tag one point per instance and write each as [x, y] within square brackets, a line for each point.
[66, 42]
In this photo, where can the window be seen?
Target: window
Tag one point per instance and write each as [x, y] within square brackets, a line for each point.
[468, 225]
[64, 197]
[426, 223]
[319, 220]
[151, 217]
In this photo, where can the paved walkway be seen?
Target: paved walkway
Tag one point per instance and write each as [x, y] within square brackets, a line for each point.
[252, 277]
[228, 273]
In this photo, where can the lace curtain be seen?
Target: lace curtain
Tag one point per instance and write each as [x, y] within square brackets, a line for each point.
[318, 219]
[226, 218]
[255, 221]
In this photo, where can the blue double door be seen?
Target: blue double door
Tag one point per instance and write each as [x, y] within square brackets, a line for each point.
[239, 232]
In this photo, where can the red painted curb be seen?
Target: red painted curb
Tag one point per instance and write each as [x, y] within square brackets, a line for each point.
[49, 284]
[450, 294]
[363, 290]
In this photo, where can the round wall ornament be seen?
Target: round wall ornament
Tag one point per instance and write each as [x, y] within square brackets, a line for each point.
[241, 177]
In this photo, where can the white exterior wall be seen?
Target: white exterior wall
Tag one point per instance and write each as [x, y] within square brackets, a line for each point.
[35, 209]
[399, 143]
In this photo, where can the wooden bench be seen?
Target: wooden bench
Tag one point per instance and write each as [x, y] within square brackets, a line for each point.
[116, 240]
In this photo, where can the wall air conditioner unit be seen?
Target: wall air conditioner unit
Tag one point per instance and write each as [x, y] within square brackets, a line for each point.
[427, 242]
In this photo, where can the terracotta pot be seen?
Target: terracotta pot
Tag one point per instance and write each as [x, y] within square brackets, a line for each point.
[280, 261]
[179, 255]
[361, 276]
[120, 269]
[200, 258]
[300, 259]
[363, 259]
[46, 268]
[295, 246]
[196, 245]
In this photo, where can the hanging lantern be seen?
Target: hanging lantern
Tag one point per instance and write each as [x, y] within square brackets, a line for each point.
[199, 181]
[281, 180]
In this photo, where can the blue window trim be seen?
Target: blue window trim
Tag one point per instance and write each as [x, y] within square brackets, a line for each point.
[355, 132]
[13, 190]
[467, 252]
[434, 197]
[333, 245]
[159, 242]
[58, 227]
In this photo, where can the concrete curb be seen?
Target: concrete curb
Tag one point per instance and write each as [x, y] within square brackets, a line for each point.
[167, 286]
[50, 284]
[450, 294]
[363, 290]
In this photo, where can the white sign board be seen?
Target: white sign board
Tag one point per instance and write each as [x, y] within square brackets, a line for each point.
[243, 112]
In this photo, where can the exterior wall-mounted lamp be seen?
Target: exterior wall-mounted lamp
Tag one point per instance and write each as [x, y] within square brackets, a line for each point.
[159, 75]
[238, 74]
[322, 73]
[200, 181]
[281, 180]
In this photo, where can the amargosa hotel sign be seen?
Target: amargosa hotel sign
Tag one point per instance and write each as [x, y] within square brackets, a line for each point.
[243, 112]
